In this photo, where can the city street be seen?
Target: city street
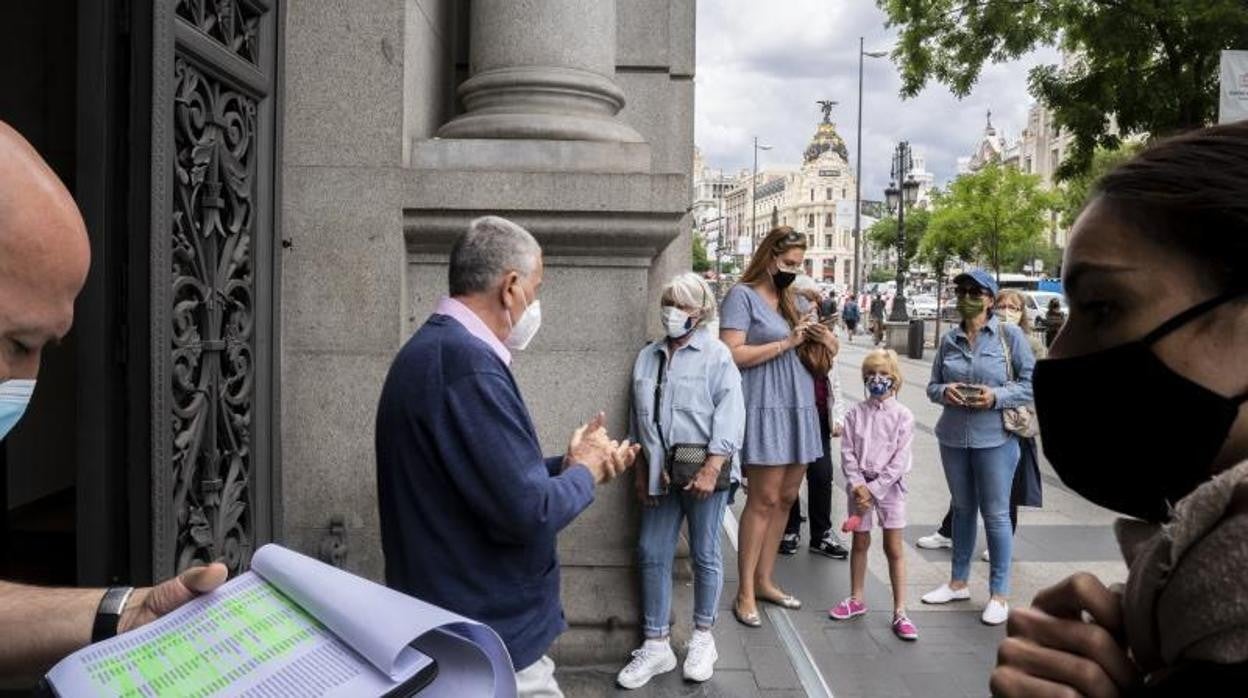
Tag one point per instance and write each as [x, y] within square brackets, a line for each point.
[861, 657]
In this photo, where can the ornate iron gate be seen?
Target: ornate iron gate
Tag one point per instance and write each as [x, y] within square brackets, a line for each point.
[214, 146]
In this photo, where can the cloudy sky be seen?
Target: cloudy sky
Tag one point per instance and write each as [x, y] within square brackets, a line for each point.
[762, 64]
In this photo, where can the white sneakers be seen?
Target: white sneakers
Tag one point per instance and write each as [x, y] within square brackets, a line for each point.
[656, 657]
[995, 613]
[985, 556]
[934, 542]
[945, 593]
[700, 662]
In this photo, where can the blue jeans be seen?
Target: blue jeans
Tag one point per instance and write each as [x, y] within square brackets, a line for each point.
[660, 529]
[980, 479]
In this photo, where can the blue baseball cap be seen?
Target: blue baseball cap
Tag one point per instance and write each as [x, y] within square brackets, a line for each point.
[981, 279]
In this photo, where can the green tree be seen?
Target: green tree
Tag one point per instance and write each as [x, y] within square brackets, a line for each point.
[700, 261]
[880, 275]
[991, 217]
[1075, 190]
[883, 233]
[1152, 64]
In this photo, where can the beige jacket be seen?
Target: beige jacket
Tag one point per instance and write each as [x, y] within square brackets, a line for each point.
[1186, 596]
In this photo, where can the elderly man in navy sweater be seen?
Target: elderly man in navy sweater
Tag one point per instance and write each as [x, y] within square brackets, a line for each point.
[469, 506]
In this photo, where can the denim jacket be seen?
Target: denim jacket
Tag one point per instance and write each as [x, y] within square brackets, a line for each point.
[957, 362]
[702, 402]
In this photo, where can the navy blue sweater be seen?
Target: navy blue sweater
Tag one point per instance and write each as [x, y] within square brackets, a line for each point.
[469, 507]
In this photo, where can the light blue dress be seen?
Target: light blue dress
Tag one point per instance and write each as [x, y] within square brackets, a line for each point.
[781, 419]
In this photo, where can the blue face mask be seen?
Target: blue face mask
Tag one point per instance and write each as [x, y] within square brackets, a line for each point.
[879, 386]
[14, 397]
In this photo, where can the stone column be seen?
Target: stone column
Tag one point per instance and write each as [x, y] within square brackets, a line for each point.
[542, 69]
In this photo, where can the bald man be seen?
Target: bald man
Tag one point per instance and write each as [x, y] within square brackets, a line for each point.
[44, 255]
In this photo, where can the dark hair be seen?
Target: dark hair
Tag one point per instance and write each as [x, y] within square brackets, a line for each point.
[1190, 192]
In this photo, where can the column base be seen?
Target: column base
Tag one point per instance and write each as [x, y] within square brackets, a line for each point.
[532, 155]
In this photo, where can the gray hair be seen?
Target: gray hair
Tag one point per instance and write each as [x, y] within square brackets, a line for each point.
[492, 247]
[691, 291]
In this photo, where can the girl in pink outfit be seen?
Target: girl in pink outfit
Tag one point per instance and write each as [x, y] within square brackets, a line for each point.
[875, 456]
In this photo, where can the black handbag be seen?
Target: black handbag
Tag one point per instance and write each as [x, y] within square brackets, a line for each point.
[683, 461]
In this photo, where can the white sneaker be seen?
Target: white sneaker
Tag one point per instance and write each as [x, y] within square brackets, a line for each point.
[700, 662]
[945, 593]
[651, 659]
[985, 556]
[934, 542]
[995, 613]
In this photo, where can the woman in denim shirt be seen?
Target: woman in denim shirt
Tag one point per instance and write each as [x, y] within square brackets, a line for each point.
[970, 378]
[699, 401]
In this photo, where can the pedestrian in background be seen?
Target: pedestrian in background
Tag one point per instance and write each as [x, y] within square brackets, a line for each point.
[971, 379]
[688, 414]
[1026, 490]
[1157, 272]
[761, 324]
[819, 357]
[875, 457]
[1053, 321]
[850, 314]
[877, 318]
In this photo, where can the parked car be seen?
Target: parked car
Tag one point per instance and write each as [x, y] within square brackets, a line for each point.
[922, 307]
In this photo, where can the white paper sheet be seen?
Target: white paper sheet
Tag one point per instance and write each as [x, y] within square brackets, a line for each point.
[293, 626]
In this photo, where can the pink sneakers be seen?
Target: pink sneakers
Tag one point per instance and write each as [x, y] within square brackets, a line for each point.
[904, 629]
[849, 608]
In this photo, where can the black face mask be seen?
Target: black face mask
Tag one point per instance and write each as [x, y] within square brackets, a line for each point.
[1155, 440]
[782, 279]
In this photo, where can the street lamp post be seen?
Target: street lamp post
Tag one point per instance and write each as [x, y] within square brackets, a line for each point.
[753, 189]
[858, 173]
[902, 191]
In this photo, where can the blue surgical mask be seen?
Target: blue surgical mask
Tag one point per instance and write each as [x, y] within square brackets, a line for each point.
[14, 397]
[879, 386]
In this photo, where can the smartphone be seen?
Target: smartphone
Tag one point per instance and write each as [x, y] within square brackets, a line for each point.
[968, 392]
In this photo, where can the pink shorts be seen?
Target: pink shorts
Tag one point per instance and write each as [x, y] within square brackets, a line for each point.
[890, 512]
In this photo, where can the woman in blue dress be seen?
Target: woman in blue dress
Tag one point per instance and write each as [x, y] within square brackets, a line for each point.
[762, 323]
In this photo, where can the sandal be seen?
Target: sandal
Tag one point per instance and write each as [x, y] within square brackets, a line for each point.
[787, 601]
[748, 619]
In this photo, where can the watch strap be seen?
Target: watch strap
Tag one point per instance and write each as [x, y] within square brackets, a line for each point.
[108, 615]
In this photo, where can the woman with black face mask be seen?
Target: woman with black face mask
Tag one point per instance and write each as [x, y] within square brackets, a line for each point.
[762, 325]
[1141, 411]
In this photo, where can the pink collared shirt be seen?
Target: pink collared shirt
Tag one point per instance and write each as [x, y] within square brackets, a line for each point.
[875, 447]
[476, 327]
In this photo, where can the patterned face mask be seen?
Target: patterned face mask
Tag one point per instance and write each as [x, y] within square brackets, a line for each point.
[879, 386]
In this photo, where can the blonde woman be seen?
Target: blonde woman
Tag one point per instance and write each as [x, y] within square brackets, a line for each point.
[686, 392]
[761, 324]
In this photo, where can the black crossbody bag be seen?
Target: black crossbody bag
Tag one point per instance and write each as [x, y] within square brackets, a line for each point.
[683, 461]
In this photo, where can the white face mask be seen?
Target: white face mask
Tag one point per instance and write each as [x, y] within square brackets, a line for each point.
[524, 329]
[14, 397]
[1013, 317]
[677, 322]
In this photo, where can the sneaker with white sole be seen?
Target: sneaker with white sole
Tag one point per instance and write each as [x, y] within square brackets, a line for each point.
[995, 613]
[700, 661]
[651, 659]
[788, 544]
[945, 593]
[934, 542]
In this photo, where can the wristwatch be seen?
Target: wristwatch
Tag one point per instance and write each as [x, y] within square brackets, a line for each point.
[108, 615]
